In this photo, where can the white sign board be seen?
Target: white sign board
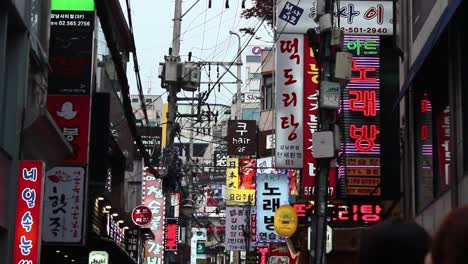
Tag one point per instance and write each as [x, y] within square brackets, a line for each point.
[64, 190]
[356, 17]
[272, 192]
[289, 100]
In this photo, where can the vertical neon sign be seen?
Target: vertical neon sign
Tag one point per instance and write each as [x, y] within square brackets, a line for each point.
[28, 212]
[360, 157]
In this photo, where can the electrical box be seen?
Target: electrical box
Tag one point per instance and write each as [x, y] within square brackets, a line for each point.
[171, 69]
[337, 37]
[329, 95]
[323, 144]
[191, 76]
[343, 65]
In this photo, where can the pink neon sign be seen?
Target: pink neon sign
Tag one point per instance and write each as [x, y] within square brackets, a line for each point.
[360, 157]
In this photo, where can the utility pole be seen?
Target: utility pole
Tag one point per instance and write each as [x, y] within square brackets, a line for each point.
[239, 80]
[174, 87]
[334, 75]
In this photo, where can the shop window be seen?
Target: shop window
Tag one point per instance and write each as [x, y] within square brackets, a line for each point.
[433, 153]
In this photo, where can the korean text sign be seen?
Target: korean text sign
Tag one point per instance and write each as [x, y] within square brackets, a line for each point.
[356, 17]
[236, 222]
[153, 198]
[28, 212]
[361, 112]
[311, 114]
[241, 137]
[348, 213]
[272, 192]
[64, 192]
[240, 184]
[288, 100]
[71, 51]
[72, 115]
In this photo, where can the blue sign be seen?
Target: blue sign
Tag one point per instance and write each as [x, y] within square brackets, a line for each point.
[291, 13]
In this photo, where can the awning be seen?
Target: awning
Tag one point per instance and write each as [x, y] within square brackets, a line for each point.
[427, 48]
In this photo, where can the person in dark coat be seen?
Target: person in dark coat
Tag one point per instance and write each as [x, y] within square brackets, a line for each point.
[395, 241]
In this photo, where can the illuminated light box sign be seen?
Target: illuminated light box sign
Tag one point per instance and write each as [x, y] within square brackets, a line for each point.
[310, 116]
[346, 213]
[171, 226]
[240, 181]
[76, 5]
[272, 192]
[28, 212]
[360, 164]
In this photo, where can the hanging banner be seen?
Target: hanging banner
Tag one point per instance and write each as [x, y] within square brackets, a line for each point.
[272, 192]
[28, 212]
[241, 137]
[240, 188]
[360, 159]
[356, 17]
[154, 199]
[289, 101]
[64, 203]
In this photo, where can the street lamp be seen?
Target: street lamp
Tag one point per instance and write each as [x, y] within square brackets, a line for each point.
[239, 81]
[188, 207]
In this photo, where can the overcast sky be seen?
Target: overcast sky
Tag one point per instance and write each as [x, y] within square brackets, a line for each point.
[205, 32]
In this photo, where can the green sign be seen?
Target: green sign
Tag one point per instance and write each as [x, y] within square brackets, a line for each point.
[72, 5]
[200, 248]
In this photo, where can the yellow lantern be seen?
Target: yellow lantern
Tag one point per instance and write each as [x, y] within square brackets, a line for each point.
[285, 221]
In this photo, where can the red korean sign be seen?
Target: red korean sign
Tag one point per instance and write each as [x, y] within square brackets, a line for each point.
[171, 234]
[153, 198]
[28, 212]
[311, 115]
[72, 115]
[141, 215]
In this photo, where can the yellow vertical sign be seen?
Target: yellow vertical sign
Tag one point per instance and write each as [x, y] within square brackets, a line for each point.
[235, 195]
[164, 124]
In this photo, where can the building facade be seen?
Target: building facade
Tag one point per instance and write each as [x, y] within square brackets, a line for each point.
[27, 130]
[433, 110]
